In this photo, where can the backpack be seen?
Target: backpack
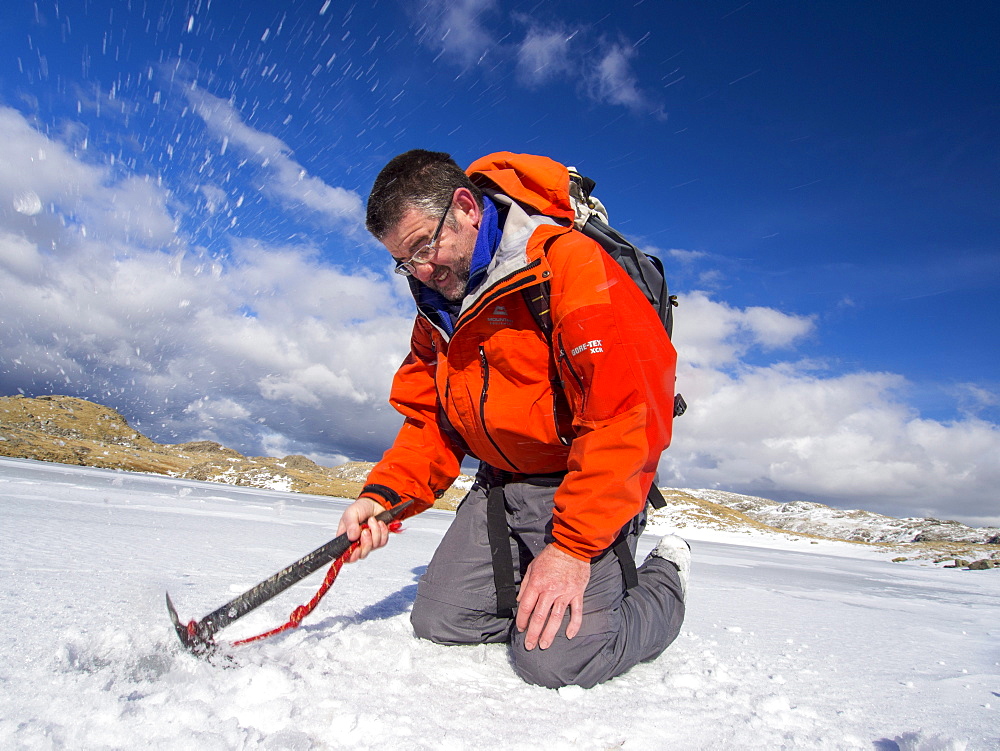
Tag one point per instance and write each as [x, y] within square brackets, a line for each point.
[645, 270]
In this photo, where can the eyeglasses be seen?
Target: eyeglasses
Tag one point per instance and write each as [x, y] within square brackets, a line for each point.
[425, 253]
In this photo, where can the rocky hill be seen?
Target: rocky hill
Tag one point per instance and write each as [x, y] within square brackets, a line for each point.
[856, 525]
[74, 431]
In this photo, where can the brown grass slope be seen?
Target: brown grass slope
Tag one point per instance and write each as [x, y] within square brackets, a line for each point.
[68, 430]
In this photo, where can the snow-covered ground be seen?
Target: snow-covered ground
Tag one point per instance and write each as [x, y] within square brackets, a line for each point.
[787, 644]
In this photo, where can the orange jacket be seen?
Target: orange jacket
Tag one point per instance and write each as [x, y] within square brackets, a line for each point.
[492, 378]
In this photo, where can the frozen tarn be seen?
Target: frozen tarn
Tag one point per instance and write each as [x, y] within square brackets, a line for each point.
[781, 649]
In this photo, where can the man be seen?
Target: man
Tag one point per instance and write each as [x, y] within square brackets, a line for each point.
[568, 427]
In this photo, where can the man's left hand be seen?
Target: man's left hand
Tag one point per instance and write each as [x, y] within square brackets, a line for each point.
[552, 582]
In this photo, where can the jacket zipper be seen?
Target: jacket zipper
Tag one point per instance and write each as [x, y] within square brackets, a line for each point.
[437, 365]
[555, 417]
[482, 406]
[497, 290]
[569, 365]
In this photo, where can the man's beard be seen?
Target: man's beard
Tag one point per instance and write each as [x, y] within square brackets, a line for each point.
[456, 282]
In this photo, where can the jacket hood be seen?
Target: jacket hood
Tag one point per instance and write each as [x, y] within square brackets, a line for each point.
[534, 181]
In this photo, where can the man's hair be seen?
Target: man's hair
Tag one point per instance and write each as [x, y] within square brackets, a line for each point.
[417, 179]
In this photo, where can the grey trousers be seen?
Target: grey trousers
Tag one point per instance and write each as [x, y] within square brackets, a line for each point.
[456, 598]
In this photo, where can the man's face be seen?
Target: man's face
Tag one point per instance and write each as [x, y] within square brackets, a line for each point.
[447, 268]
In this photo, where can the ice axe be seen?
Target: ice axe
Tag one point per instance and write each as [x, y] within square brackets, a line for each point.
[198, 636]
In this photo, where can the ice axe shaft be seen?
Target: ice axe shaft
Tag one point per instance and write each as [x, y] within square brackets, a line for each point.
[198, 637]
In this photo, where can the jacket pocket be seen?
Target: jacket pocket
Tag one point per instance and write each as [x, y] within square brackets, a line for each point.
[519, 413]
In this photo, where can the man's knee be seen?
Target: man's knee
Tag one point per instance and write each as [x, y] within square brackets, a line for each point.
[568, 662]
[443, 623]
[425, 621]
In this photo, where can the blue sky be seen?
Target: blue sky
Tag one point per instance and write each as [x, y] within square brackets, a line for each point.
[182, 186]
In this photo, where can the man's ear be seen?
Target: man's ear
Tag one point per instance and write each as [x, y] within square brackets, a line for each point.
[466, 203]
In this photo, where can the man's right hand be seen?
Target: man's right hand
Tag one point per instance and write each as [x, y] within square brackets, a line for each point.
[373, 535]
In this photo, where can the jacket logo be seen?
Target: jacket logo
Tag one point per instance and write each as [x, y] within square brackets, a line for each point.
[594, 345]
[499, 316]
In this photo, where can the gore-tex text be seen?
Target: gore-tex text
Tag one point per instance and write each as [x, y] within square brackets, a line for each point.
[594, 345]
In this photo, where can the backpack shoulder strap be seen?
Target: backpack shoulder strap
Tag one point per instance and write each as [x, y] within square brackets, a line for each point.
[537, 299]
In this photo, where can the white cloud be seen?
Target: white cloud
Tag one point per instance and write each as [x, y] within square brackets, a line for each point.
[20, 257]
[773, 329]
[88, 203]
[209, 410]
[543, 55]
[973, 399]
[788, 432]
[716, 335]
[612, 80]
[215, 197]
[549, 51]
[458, 28]
[288, 180]
[687, 256]
[274, 342]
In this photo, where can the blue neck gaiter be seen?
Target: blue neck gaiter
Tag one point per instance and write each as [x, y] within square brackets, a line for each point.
[487, 242]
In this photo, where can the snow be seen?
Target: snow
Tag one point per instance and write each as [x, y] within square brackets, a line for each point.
[786, 644]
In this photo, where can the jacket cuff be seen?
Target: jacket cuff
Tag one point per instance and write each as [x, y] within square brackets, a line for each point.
[569, 551]
[381, 494]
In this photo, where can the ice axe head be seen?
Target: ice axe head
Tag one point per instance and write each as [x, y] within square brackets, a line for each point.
[196, 640]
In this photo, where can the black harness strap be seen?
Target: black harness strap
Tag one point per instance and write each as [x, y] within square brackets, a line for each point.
[655, 497]
[503, 562]
[498, 533]
[621, 548]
